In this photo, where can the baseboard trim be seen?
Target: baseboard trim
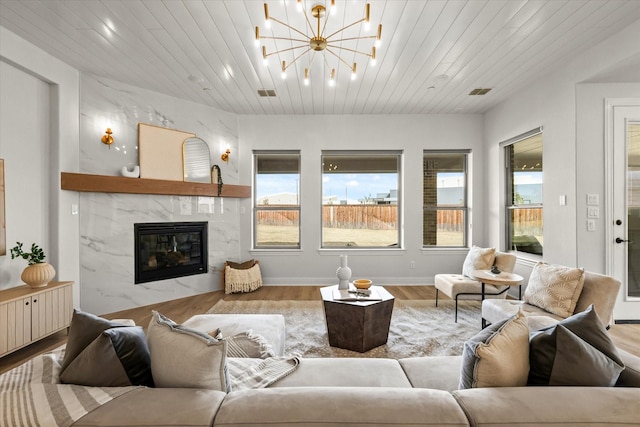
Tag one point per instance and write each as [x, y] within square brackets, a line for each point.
[627, 322]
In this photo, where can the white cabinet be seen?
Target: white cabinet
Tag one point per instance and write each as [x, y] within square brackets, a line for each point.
[29, 314]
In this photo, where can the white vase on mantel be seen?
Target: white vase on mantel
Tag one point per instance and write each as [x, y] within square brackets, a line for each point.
[343, 273]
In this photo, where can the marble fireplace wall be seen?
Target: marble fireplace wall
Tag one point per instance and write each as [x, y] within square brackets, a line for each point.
[106, 220]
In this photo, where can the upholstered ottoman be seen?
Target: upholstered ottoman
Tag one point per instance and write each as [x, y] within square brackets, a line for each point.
[270, 326]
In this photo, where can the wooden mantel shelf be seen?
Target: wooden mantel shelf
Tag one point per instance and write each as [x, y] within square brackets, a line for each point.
[120, 184]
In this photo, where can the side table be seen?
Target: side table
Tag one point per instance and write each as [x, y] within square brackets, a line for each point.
[357, 325]
[502, 279]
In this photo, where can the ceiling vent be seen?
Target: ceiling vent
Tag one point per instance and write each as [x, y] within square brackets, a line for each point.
[266, 92]
[480, 91]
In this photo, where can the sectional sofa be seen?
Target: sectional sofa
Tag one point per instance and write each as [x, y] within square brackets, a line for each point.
[420, 391]
[211, 371]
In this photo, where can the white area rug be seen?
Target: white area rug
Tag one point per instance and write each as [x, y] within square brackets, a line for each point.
[418, 327]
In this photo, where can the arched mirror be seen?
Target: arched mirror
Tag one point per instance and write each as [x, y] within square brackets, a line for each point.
[195, 160]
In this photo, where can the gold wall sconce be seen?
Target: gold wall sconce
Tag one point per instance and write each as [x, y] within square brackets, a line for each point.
[225, 155]
[107, 138]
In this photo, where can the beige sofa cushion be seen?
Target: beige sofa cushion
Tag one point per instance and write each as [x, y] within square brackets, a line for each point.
[269, 326]
[339, 407]
[157, 407]
[554, 288]
[343, 372]
[435, 372]
[551, 406]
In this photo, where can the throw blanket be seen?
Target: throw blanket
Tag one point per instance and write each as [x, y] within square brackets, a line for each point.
[246, 374]
[31, 394]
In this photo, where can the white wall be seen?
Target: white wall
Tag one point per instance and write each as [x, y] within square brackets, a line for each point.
[58, 152]
[311, 134]
[573, 161]
[24, 145]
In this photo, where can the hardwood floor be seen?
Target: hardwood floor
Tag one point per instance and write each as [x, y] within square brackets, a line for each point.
[625, 336]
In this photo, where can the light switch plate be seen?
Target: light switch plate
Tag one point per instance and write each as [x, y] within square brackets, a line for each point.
[591, 225]
[593, 212]
[593, 199]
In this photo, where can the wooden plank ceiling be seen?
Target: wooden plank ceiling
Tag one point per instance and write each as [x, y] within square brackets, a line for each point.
[433, 53]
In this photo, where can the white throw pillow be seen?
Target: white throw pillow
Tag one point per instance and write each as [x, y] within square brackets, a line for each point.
[478, 259]
[185, 358]
[554, 288]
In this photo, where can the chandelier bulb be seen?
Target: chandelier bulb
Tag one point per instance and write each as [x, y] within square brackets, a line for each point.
[332, 80]
[264, 56]
[333, 7]
[257, 37]
[306, 77]
[353, 72]
[373, 56]
[284, 70]
[379, 36]
[299, 6]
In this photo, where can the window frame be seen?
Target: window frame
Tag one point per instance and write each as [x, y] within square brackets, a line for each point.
[258, 208]
[466, 208]
[509, 206]
[399, 154]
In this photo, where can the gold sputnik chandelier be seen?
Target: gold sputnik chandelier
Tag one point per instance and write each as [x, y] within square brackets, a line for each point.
[314, 39]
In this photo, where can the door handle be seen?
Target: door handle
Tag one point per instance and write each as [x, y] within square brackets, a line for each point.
[619, 240]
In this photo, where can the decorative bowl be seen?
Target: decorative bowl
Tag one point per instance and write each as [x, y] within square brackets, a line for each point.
[362, 283]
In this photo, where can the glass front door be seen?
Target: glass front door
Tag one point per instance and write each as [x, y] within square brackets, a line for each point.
[633, 209]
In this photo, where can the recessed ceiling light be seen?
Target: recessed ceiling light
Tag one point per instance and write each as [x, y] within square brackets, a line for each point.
[195, 79]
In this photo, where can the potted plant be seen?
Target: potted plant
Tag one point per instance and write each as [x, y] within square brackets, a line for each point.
[38, 273]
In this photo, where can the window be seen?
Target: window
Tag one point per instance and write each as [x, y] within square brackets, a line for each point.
[444, 191]
[276, 200]
[360, 199]
[524, 181]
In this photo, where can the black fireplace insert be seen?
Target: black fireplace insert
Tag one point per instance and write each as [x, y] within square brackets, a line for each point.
[165, 250]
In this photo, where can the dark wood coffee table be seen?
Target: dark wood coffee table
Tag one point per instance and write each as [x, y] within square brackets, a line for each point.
[357, 325]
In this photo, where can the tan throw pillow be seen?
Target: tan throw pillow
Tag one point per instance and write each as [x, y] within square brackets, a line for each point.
[498, 356]
[554, 288]
[478, 259]
[185, 358]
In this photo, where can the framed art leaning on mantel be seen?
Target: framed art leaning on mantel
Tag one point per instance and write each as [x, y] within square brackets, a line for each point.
[160, 152]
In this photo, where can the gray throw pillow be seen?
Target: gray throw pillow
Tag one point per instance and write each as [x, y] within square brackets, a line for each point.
[576, 351]
[84, 328]
[118, 357]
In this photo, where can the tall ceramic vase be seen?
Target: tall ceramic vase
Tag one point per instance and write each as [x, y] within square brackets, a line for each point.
[38, 275]
[343, 273]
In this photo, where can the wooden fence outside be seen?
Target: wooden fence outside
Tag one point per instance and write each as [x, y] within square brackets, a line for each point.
[385, 217]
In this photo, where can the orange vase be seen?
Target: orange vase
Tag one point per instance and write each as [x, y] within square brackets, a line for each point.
[38, 275]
